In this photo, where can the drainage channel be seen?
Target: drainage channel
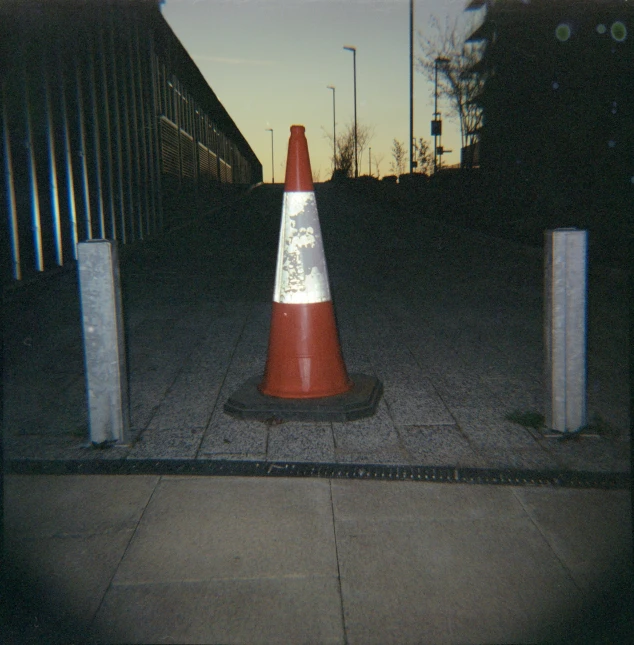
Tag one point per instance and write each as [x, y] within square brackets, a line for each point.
[236, 468]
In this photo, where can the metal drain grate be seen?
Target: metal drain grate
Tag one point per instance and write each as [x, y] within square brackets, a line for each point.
[484, 476]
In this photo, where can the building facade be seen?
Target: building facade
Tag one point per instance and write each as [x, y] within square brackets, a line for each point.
[104, 116]
[558, 102]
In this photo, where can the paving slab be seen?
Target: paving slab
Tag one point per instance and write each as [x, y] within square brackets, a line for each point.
[230, 559]
[356, 500]
[374, 440]
[414, 402]
[37, 403]
[219, 341]
[70, 573]
[167, 443]
[199, 529]
[592, 454]
[313, 442]
[401, 577]
[449, 319]
[271, 610]
[589, 531]
[228, 437]
[380, 528]
[40, 506]
[442, 445]
[147, 391]
[462, 388]
[189, 402]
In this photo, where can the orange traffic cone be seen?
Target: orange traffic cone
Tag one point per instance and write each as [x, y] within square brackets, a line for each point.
[305, 377]
[304, 358]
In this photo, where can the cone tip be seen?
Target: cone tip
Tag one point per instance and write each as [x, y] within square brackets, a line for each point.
[299, 177]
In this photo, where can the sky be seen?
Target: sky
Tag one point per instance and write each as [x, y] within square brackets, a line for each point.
[270, 62]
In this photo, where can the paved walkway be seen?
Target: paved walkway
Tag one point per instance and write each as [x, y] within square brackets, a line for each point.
[450, 320]
[219, 560]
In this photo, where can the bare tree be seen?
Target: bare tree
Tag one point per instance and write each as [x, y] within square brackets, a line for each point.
[365, 134]
[398, 153]
[376, 164]
[344, 160]
[460, 80]
[424, 156]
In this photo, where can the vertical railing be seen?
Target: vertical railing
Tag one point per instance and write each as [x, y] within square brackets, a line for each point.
[150, 142]
[177, 121]
[14, 237]
[96, 140]
[68, 161]
[136, 146]
[154, 121]
[52, 172]
[143, 151]
[83, 152]
[95, 119]
[124, 92]
[118, 137]
[105, 94]
[36, 224]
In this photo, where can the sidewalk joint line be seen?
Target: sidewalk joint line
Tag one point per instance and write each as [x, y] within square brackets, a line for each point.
[224, 378]
[569, 573]
[334, 531]
[125, 550]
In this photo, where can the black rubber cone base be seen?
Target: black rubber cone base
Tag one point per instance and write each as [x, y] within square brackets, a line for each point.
[361, 401]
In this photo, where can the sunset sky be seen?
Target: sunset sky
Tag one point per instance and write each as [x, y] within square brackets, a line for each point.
[270, 62]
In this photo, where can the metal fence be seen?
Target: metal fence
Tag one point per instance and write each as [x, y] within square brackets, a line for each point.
[103, 114]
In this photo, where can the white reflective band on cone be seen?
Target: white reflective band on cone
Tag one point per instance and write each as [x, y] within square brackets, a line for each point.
[301, 277]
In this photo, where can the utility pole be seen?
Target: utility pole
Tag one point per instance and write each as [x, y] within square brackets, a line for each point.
[272, 157]
[354, 64]
[436, 124]
[334, 129]
[411, 86]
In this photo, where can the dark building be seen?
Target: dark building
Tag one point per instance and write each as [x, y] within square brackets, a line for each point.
[558, 107]
[105, 119]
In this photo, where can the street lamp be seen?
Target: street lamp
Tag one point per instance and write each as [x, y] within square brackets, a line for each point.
[354, 64]
[411, 86]
[272, 159]
[334, 132]
[436, 124]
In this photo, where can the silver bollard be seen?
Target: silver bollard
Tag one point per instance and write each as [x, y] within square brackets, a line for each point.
[104, 347]
[565, 328]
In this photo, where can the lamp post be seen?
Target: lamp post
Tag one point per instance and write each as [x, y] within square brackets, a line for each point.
[334, 131]
[411, 86]
[354, 65]
[272, 159]
[436, 124]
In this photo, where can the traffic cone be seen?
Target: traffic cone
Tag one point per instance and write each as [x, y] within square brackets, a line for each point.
[304, 357]
[305, 377]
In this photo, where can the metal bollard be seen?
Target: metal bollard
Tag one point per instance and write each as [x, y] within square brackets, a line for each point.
[104, 346]
[565, 328]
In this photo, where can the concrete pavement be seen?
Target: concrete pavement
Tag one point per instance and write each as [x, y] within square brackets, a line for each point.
[450, 320]
[157, 559]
